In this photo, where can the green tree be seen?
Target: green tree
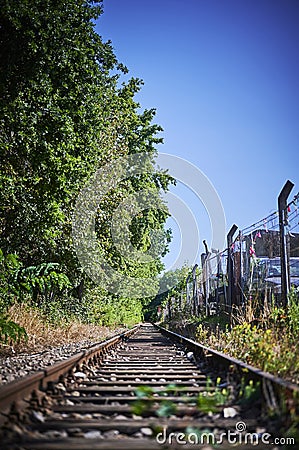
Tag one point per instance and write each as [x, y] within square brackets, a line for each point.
[63, 114]
[53, 82]
[171, 284]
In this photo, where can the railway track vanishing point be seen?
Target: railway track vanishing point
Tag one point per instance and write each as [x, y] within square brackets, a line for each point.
[147, 388]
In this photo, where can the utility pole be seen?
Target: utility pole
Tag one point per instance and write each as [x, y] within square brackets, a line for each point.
[282, 206]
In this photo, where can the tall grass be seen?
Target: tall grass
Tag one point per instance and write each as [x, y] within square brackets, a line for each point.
[43, 334]
[266, 338]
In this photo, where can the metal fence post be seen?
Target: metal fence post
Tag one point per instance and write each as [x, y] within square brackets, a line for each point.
[169, 305]
[204, 265]
[217, 274]
[203, 276]
[195, 290]
[188, 294]
[230, 267]
[282, 206]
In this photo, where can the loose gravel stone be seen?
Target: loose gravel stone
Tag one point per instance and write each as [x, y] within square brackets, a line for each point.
[93, 434]
[56, 434]
[146, 431]
[79, 375]
[23, 364]
[38, 416]
[111, 434]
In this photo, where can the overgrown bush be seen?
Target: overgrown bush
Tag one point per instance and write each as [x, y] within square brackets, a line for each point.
[48, 289]
[293, 313]
[9, 290]
[43, 282]
[108, 310]
[10, 331]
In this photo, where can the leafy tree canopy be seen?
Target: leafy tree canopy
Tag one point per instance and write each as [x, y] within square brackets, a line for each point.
[63, 114]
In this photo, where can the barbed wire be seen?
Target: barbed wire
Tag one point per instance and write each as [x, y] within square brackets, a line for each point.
[262, 223]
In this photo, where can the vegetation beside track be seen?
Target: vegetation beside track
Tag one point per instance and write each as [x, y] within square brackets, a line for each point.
[267, 340]
[67, 109]
[40, 334]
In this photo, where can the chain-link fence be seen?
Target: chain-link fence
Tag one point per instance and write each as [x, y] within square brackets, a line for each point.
[261, 263]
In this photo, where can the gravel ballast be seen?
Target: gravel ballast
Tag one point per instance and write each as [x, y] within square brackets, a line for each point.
[23, 364]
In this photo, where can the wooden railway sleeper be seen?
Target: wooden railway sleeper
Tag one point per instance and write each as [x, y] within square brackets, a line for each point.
[104, 415]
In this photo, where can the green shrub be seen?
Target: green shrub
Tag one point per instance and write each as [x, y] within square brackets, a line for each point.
[9, 289]
[293, 313]
[109, 310]
[10, 331]
[43, 282]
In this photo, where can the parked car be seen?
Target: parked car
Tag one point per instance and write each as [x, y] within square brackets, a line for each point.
[273, 278]
[267, 274]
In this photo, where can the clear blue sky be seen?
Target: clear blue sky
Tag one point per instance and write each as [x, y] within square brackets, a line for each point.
[224, 78]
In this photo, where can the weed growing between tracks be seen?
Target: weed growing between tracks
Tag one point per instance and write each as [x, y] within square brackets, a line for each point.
[214, 399]
[218, 401]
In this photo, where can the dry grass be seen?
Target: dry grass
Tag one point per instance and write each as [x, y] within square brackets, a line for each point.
[42, 335]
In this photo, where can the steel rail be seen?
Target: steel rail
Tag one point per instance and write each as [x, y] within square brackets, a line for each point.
[14, 394]
[93, 400]
[276, 391]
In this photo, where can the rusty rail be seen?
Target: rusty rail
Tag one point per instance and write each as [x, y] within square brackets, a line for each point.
[277, 392]
[90, 400]
[19, 391]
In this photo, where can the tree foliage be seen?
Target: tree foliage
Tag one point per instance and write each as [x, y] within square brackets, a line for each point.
[64, 113]
[172, 283]
[54, 79]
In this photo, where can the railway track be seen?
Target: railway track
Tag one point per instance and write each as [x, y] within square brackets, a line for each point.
[144, 389]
